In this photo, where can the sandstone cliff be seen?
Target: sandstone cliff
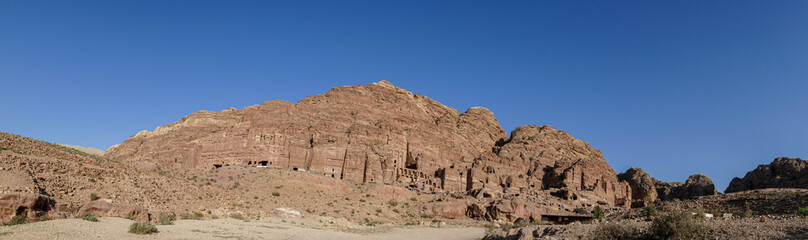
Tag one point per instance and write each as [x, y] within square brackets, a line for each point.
[783, 172]
[379, 133]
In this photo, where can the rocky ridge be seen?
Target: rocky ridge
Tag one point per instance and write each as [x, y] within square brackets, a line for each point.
[783, 172]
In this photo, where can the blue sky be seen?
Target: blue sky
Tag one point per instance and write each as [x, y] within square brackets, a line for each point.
[673, 87]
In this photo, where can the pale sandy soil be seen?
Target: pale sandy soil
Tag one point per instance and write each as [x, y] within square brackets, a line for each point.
[116, 228]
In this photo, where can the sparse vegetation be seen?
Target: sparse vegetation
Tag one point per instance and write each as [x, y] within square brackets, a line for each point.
[167, 218]
[16, 220]
[597, 213]
[615, 231]
[678, 226]
[191, 216]
[414, 199]
[650, 211]
[90, 218]
[802, 212]
[93, 196]
[276, 193]
[142, 228]
[392, 202]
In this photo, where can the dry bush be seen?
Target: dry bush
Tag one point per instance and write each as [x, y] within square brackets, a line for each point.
[615, 231]
[167, 218]
[142, 228]
[678, 226]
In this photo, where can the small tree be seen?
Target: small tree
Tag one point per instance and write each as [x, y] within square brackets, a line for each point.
[597, 213]
[650, 210]
[802, 212]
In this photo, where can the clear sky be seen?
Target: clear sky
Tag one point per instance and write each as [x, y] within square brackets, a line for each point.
[673, 87]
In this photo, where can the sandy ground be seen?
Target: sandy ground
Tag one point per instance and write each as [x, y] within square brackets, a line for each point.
[116, 228]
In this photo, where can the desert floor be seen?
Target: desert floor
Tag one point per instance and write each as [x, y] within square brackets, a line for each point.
[116, 228]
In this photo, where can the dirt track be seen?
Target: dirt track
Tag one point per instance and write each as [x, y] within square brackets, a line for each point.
[116, 228]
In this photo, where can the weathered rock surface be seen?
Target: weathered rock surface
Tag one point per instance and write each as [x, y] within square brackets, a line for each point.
[379, 133]
[102, 208]
[643, 190]
[783, 172]
[30, 204]
[696, 185]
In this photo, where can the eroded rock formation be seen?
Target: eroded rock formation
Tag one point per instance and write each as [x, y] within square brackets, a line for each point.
[696, 185]
[783, 172]
[643, 190]
[379, 133]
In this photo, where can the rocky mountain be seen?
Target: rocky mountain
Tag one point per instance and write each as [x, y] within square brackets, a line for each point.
[379, 133]
[783, 172]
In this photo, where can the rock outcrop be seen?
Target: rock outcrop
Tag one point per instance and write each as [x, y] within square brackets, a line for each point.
[783, 172]
[643, 189]
[103, 208]
[29, 205]
[695, 186]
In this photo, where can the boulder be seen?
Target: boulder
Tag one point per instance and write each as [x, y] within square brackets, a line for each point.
[510, 210]
[101, 208]
[449, 210]
[31, 204]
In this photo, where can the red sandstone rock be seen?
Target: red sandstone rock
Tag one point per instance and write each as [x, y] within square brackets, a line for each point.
[101, 208]
[379, 133]
[450, 210]
[13, 204]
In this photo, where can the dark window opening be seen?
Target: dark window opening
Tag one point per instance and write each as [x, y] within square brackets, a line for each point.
[217, 165]
[263, 163]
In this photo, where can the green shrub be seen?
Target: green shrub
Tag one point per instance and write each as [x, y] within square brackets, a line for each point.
[802, 211]
[276, 193]
[615, 231]
[167, 218]
[90, 218]
[19, 219]
[597, 213]
[142, 228]
[650, 211]
[678, 226]
[93, 196]
[392, 202]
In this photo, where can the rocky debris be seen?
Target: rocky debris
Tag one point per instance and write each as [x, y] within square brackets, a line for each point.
[783, 172]
[696, 185]
[643, 190]
[102, 208]
[14, 204]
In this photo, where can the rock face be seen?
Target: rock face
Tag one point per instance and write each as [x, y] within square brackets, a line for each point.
[101, 208]
[28, 204]
[696, 185]
[783, 172]
[642, 186]
[379, 133]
